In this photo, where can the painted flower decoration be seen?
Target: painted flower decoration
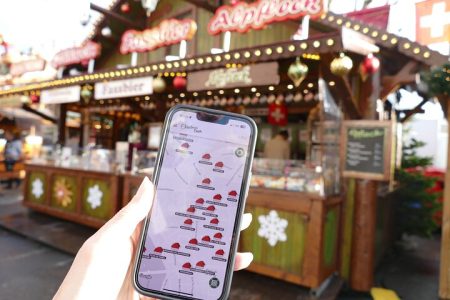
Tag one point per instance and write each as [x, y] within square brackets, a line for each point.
[62, 192]
[37, 188]
[95, 196]
[272, 228]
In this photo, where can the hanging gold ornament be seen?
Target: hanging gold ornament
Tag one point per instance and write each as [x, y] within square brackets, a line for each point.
[159, 85]
[342, 65]
[297, 72]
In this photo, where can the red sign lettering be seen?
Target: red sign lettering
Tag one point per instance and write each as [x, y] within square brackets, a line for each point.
[76, 55]
[167, 33]
[243, 17]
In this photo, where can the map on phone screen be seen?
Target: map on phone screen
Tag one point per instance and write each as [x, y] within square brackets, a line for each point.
[187, 246]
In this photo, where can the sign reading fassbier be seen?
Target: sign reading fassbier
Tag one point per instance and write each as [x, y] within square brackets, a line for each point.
[250, 75]
[124, 88]
[169, 32]
[242, 16]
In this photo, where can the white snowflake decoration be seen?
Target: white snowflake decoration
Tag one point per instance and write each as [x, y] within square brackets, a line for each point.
[37, 188]
[272, 228]
[95, 196]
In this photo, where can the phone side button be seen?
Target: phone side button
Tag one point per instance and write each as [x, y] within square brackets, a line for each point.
[247, 187]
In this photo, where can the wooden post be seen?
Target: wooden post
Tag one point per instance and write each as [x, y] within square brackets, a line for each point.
[62, 124]
[365, 213]
[363, 248]
[444, 279]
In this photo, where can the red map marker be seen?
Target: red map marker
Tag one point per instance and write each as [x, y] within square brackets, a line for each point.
[232, 194]
[218, 236]
[200, 201]
[193, 242]
[187, 265]
[206, 238]
[185, 145]
[220, 252]
[206, 181]
[200, 264]
[217, 197]
[175, 246]
[219, 164]
[211, 208]
[191, 209]
[158, 249]
[214, 221]
[206, 156]
[188, 222]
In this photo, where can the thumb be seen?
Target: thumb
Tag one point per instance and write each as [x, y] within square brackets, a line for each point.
[126, 220]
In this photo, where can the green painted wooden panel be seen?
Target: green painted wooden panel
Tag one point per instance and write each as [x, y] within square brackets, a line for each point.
[114, 59]
[277, 32]
[203, 39]
[285, 255]
[97, 199]
[37, 183]
[330, 237]
[64, 193]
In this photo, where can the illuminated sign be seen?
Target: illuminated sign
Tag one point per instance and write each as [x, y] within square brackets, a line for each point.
[169, 32]
[76, 55]
[19, 68]
[243, 16]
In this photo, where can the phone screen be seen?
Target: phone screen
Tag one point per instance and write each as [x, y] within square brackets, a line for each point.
[204, 161]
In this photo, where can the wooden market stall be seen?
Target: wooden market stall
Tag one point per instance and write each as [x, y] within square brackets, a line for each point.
[308, 86]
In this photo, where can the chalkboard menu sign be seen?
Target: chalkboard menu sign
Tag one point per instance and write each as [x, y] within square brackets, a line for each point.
[367, 148]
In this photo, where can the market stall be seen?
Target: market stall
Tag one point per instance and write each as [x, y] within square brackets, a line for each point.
[304, 210]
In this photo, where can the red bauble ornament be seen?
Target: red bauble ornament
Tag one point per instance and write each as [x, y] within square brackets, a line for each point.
[179, 82]
[370, 65]
[34, 98]
[125, 8]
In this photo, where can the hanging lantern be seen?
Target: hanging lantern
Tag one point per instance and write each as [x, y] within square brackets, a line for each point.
[179, 82]
[297, 72]
[369, 66]
[159, 85]
[86, 94]
[125, 8]
[342, 65]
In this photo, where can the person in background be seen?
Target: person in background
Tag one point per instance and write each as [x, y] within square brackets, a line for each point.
[278, 147]
[13, 153]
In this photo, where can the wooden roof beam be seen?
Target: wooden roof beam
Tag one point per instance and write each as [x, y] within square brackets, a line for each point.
[110, 14]
[391, 83]
[204, 4]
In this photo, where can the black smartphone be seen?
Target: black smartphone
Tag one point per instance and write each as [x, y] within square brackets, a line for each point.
[188, 244]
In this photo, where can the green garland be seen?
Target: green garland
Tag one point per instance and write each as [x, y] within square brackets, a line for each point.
[438, 80]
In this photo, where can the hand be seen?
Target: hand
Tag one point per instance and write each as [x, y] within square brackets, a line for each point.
[103, 266]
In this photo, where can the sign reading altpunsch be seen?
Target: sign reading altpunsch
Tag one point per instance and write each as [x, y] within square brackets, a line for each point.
[169, 32]
[243, 16]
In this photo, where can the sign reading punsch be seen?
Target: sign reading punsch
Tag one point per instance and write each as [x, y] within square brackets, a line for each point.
[243, 17]
[76, 55]
[169, 32]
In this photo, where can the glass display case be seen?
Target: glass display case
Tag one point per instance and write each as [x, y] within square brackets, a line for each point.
[288, 175]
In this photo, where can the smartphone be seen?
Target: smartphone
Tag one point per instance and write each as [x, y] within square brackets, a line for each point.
[188, 244]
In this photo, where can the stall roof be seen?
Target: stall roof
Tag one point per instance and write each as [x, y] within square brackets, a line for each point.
[330, 42]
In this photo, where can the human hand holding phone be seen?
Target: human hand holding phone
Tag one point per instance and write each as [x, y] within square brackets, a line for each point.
[103, 267]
